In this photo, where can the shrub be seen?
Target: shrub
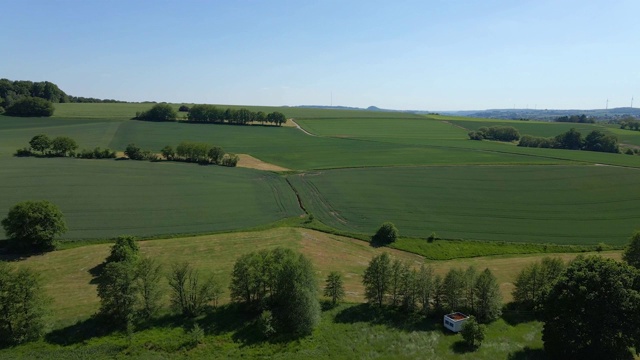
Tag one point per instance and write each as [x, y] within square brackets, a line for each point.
[25, 151]
[183, 108]
[386, 234]
[473, 333]
[230, 160]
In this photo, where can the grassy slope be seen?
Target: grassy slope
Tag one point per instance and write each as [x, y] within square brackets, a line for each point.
[344, 332]
[559, 204]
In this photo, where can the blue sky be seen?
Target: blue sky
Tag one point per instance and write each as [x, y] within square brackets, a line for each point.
[431, 55]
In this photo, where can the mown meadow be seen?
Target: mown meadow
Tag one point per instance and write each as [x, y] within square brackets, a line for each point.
[350, 330]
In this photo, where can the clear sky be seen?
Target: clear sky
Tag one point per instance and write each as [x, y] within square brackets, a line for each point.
[430, 55]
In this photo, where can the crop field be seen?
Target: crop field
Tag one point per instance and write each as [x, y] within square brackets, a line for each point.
[418, 171]
[107, 198]
[552, 204]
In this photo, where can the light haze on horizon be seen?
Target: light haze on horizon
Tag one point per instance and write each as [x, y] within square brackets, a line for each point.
[406, 55]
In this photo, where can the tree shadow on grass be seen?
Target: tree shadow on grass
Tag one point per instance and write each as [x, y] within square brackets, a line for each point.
[527, 354]
[513, 314]
[80, 332]
[390, 317]
[461, 347]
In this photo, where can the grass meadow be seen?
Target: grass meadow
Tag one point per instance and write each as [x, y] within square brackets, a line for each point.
[351, 330]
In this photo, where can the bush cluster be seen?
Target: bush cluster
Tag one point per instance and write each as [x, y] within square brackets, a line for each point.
[159, 112]
[497, 133]
[30, 106]
[572, 140]
[61, 146]
[193, 152]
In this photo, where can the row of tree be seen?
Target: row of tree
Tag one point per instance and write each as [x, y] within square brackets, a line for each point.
[201, 153]
[496, 133]
[397, 283]
[211, 114]
[630, 123]
[61, 146]
[582, 119]
[596, 140]
[131, 288]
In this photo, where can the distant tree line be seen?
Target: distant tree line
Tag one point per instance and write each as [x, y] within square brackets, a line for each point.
[14, 91]
[497, 133]
[211, 114]
[194, 152]
[583, 119]
[596, 140]
[61, 146]
[630, 123]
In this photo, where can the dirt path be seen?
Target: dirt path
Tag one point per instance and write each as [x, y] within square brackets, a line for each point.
[300, 128]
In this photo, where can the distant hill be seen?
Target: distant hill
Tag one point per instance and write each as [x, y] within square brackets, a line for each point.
[547, 115]
[508, 114]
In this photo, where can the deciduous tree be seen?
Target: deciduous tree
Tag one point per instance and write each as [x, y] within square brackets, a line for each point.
[23, 305]
[488, 299]
[632, 253]
[33, 225]
[593, 311]
[376, 279]
[334, 287]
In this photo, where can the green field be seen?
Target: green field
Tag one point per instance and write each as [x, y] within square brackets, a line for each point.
[405, 176]
[107, 198]
[544, 204]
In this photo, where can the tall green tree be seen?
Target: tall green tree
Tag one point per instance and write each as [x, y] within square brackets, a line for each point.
[425, 287]
[453, 292]
[33, 225]
[488, 299]
[386, 234]
[534, 282]
[470, 277]
[190, 294]
[632, 252]
[23, 305]
[148, 277]
[63, 146]
[334, 287]
[124, 249]
[473, 333]
[571, 140]
[118, 293]
[376, 279]
[593, 311]
[40, 143]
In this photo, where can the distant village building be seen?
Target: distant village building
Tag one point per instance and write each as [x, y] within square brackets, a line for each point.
[455, 321]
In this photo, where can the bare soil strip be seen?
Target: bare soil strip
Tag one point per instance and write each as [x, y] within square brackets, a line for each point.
[248, 161]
